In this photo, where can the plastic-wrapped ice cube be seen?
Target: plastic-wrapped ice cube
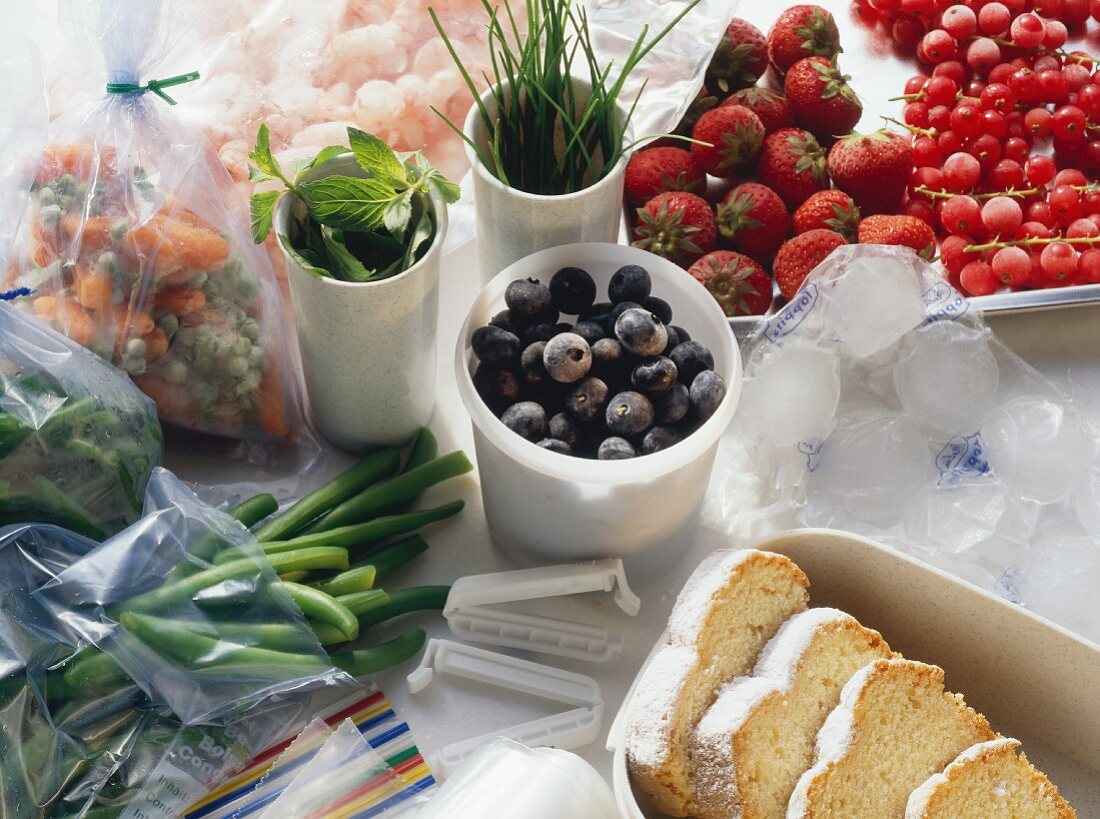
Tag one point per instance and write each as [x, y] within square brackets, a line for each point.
[872, 301]
[1041, 448]
[947, 376]
[871, 467]
[792, 394]
[1056, 578]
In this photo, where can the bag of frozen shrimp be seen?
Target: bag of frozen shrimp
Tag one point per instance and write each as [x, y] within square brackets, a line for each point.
[137, 245]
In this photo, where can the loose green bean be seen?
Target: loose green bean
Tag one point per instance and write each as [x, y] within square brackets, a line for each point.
[324, 608]
[424, 449]
[184, 589]
[361, 602]
[378, 658]
[93, 673]
[372, 468]
[353, 580]
[252, 511]
[390, 558]
[404, 601]
[393, 493]
[377, 529]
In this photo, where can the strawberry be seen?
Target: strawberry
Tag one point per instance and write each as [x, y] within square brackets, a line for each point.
[792, 163]
[731, 138]
[677, 225]
[906, 231]
[702, 103]
[770, 106]
[739, 285]
[655, 170]
[740, 59]
[800, 255]
[821, 100]
[831, 210]
[873, 168]
[800, 32]
[753, 219]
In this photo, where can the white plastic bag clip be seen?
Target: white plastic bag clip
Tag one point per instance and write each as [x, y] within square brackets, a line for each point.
[470, 616]
[567, 730]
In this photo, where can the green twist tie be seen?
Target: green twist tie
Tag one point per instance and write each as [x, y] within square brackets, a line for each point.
[156, 86]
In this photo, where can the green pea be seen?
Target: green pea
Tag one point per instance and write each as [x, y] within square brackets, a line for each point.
[47, 197]
[50, 215]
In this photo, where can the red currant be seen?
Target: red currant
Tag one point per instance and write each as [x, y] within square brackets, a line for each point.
[982, 54]
[1088, 100]
[922, 209]
[999, 97]
[961, 172]
[1082, 229]
[1089, 265]
[1001, 215]
[1012, 265]
[1040, 212]
[1027, 31]
[939, 117]
[1065, 203]
[915, 84]
[941, 91]
[1053, 86]
[1025, 84]
[1006, 175]
[1068, 123]
[1075, 12]
[954, 70]
[949, 142]
[926, 153]
[1070, 176]
[993, 19]
[1055, 35]
[978, 279]
[1094, 9]
[952, 254]
[1039, 170]
[1077, 76]
[1033, 230]
[1048, 8]
[994, 123]
[966, 120]
[960, 21]
[939, 46]
[907, 31]
[961, 214]
[930, 178]
[1058, 260]
[916, 114]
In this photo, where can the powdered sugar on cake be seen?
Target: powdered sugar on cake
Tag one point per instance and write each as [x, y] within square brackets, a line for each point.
[833, 740]
[706, 582]
[653, 704]
[780, 657]
[918, 800]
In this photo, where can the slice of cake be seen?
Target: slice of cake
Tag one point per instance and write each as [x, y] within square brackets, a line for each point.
[894, 727]
[988, 781]
[756, 740]
[730, 607]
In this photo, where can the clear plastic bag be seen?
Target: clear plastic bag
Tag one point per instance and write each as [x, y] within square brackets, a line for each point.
[879, 402]
[137, 243]
[122, 695]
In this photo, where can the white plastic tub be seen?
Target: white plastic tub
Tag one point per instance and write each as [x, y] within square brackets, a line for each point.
[543, 507]
[1034, 680]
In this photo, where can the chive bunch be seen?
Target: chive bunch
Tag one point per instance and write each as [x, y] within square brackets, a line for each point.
[547, 134]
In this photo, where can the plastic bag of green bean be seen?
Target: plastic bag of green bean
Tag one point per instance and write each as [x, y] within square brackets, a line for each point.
[137, 673]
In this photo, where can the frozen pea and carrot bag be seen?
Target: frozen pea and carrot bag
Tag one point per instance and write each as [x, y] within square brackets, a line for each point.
[137, 245]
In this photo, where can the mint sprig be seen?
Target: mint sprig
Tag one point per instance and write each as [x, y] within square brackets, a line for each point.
[356, 228]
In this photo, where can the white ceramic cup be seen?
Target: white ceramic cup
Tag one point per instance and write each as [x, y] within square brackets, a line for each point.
[512, 224]
[368, 348]
[544, 507]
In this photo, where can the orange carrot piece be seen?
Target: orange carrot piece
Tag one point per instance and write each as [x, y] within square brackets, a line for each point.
[75, 323]
[270, 403]
[45, 307]
[94, 291]
[156, 344]
[180, 300]
[132, 323]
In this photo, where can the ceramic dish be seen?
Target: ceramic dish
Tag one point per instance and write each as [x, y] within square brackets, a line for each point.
[1034, 680]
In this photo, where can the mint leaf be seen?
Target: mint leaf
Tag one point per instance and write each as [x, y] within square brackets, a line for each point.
[262, 157]
[377, 158]
[306, 259]
[261, 208]
[450, 191]
[423, 231]
[255, 175]
[324, 155]
[397, 215]
[347, 266]
[346, 202]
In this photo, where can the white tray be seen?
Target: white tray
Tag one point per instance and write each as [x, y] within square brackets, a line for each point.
[1034, 680]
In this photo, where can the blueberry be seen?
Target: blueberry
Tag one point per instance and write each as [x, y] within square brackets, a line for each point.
[653, 375]
[641, 332]
[682, 333]
[587, 399]
[660, 308]
[629, 413]
[590, 331]
[673, 339]
[629, 283]
[498, 388]
[707, 391]
[527, 299]
[527, 419]
[564, 428]
[601, 314]
[691, 358]
[567, 357]
[659, 438]
[615, 449]
[506, 321]
[542, 331]
[495, 346]
[607, 355]
[530, 363]
[670, 407]
[621, 308]
[555, 445]
[572, 290]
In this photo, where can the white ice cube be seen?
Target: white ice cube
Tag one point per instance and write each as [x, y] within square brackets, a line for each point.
[791, 395]
[1056, 578]
[1042, 449]
[947, 376]
[873, 303]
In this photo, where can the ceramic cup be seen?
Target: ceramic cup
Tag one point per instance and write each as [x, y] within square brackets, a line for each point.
[512, 224]
[368, 349]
